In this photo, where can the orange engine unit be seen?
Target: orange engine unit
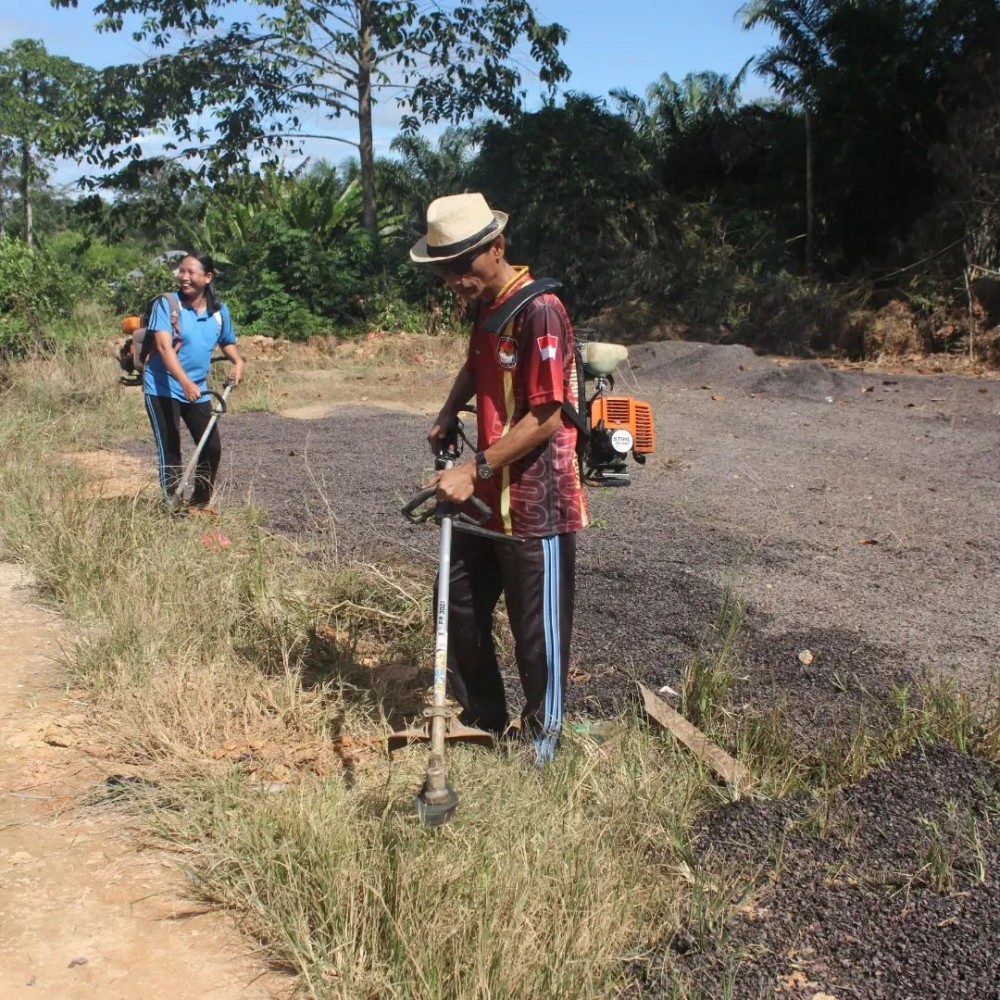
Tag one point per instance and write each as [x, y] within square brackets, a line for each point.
[625, 413]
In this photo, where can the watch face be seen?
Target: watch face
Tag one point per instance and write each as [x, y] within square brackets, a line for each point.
[484, 471]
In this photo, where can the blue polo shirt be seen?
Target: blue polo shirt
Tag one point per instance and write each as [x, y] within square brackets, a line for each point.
[200, 333]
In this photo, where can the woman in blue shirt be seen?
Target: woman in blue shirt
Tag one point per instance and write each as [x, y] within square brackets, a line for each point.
[176, 374]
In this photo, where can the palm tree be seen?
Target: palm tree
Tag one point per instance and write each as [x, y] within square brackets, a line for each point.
[794, 66]
[670, 109]
[427, 172]
[420, 172]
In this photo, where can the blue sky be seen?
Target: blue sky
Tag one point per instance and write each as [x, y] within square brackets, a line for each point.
[629, 43]
[612, 44]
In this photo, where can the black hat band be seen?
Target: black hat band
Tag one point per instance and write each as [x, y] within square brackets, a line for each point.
[456, 249]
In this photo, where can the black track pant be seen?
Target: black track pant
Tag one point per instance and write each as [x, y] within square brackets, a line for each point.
[537, 579]
[165, 415]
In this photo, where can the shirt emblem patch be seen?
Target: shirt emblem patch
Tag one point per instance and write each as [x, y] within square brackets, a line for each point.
[548, 347]
[506, 352]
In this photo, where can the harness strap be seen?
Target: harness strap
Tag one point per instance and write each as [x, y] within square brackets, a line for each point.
[174, 305]
[496, 321]
[174, 308]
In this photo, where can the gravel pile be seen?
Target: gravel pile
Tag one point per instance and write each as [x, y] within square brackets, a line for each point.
[891, 890]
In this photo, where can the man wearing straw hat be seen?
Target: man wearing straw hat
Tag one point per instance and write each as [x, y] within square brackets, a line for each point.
[520, 367]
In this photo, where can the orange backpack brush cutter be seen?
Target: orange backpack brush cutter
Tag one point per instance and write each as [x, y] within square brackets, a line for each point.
[618, 424]
[609, 426]
[139, 343]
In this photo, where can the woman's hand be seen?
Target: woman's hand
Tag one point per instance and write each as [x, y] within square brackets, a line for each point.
[235, 374]
[191, 392]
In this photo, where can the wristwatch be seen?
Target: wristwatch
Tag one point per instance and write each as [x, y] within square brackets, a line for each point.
[483, 468]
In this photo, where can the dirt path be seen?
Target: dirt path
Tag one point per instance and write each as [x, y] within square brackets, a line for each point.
[82, 912]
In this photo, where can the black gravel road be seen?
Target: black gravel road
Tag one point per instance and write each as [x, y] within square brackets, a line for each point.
[857, 516]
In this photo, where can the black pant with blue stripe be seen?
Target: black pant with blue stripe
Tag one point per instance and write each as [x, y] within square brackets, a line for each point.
[537, 578]
[165, 415]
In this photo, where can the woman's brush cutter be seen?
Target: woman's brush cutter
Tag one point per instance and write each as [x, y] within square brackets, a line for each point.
[176, 499]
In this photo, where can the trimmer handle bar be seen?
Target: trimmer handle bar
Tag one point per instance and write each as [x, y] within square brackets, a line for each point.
[461, 520]
[219, 400]
[449, 449]
[452, 443]
[443, 508]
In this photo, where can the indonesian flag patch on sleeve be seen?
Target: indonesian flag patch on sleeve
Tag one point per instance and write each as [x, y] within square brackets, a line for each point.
[548, 346]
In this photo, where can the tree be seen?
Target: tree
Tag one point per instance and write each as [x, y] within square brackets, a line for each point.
[670, 109]
[424, 171]
[872, 78]
[691, 131]
[581, 199]
[36, 120]
[8, 181]
[794, 67]
[442, 62]
[967, 162]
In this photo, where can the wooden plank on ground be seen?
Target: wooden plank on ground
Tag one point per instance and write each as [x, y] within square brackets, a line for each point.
[729, 769]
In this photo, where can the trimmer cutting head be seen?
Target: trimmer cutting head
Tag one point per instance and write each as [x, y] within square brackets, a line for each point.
[436, 808]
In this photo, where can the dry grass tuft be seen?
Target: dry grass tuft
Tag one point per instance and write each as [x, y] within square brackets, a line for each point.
[542, 884]
[893, 332]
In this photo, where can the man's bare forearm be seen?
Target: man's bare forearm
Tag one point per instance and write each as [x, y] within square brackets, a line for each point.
[462, 390]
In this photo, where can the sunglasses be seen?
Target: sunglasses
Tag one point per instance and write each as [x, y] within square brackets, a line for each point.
[460, 266]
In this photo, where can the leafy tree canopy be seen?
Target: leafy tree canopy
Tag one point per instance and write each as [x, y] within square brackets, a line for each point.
[671, 109]
[231, 89]
[575, 183]
[37, 122]
[35, 91]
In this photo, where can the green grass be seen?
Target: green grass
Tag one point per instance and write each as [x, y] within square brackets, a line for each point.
[708, 677]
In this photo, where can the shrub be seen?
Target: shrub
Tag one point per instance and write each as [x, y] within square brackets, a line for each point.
[99, 268]
[34, 289]
[289, 281]
[131, 293]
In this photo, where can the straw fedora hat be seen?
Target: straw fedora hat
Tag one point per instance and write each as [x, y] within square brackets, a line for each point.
[456, 225]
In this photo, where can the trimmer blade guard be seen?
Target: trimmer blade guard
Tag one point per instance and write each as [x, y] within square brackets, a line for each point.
[454, 732]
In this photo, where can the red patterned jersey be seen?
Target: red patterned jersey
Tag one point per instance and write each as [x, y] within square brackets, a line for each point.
[529, 363]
